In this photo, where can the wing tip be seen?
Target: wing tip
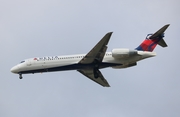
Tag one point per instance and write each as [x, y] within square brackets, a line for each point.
[167, 25]
[107, 86]
[109, 33]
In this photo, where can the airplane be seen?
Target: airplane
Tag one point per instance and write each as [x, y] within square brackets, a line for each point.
[97, 58]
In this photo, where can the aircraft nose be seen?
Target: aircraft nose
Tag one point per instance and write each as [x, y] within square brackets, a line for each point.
[15, 69]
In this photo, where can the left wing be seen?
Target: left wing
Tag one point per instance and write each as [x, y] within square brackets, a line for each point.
[90, 74]
[95, 57]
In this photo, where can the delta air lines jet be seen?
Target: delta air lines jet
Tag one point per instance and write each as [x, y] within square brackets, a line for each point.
[97, 58]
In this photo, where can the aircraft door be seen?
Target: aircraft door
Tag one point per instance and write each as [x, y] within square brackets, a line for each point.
[28, 63]
[44, 64]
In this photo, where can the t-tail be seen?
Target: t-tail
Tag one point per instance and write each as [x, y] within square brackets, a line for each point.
[153, 39]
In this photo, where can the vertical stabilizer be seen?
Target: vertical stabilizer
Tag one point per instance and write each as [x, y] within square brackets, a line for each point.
[153, 39]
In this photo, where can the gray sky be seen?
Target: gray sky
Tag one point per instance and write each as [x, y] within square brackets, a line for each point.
[55, 27]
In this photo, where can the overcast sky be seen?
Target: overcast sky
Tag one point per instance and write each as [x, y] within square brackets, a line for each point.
[37, 28]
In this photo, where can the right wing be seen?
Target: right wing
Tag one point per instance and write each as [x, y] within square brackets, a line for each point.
[98, 52]
[90, 74]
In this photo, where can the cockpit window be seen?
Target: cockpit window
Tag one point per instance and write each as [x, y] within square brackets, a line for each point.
[22, 61]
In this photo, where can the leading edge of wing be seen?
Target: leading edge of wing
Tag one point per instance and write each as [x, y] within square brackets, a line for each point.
[90, 74]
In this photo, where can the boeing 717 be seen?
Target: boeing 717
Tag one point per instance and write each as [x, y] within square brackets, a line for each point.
[97, 58]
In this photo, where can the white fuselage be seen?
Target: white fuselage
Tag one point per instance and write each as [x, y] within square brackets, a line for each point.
[71, 62]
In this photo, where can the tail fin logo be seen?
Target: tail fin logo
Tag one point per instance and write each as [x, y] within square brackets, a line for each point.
[148, 45]
[153, 39]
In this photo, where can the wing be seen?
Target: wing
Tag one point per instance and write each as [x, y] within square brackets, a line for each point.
[90, 74]
[95, 56]
[98, 52]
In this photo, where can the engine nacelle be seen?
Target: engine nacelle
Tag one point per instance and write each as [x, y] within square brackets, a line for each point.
[123, 53]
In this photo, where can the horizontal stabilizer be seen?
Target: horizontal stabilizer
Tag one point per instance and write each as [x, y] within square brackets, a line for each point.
[162, 43]
[153, 39]
[160, 32]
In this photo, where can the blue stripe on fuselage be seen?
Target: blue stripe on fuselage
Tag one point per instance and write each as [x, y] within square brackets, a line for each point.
[70, 67]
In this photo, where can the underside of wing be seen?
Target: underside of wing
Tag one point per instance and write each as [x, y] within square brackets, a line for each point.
[98, 52]
[100, 79]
